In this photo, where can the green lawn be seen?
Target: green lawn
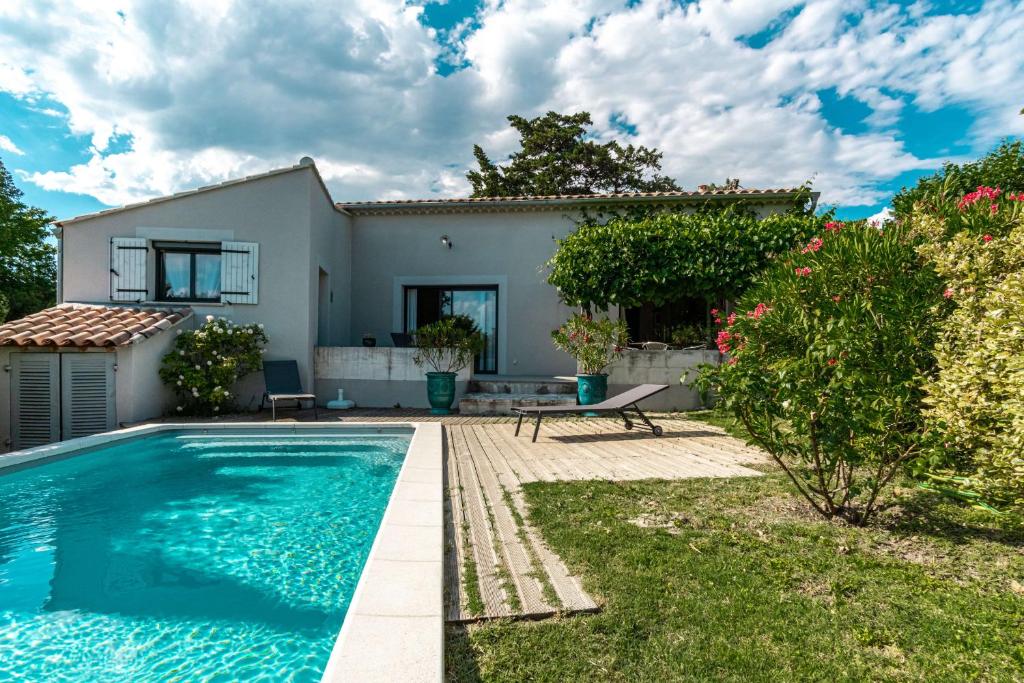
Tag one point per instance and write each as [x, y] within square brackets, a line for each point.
[733, 580]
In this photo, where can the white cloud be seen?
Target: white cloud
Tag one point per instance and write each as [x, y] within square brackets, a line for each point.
[7, 145]
[208, 91]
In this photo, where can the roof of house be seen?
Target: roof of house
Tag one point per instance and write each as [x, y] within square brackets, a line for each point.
[304, 163]
[566, 200]
[90, 325]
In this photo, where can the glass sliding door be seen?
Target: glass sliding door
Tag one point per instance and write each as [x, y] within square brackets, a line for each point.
[424, 305]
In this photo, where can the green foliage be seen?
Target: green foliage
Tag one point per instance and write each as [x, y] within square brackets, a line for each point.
[976, 402]
[558, 156]
[1003, 168]
[28, 270]
[662, 257]
[593, 343]
[205, 364]
[690, 335]
[827, 361]
[448, 345]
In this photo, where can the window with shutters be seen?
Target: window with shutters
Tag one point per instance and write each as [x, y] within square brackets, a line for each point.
[188, 272]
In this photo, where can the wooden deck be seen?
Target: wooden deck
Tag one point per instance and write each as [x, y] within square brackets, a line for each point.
[496, 563]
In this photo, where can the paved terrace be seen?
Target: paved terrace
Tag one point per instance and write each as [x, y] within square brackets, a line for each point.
[487, 535]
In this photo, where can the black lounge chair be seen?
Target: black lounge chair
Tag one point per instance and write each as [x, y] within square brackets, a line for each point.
[281, 378]
[627, 400]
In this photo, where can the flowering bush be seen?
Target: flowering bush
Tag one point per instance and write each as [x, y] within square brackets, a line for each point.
[827, 354]
[205, 364]
[448, 345]
[593, 343]
[976, 403]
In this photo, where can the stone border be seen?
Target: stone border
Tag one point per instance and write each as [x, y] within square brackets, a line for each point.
[394, 627]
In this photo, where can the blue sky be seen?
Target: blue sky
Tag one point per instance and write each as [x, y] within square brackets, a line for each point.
[105, 104]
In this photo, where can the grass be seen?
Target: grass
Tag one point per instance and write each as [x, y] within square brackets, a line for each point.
[732, 579]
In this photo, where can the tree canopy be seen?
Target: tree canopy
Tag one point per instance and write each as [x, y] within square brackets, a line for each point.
[28, 270]
[558, 156]
[664, 257]
[1003, 167]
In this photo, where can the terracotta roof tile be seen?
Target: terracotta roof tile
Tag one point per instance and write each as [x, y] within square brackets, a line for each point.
[90, 325]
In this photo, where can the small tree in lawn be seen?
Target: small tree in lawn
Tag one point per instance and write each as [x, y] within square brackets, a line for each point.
[205, 364]
[827, 358]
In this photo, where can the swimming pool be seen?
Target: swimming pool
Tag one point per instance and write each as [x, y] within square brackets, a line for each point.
[182, 555]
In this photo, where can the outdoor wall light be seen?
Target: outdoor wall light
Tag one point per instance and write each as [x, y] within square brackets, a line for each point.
[446, 241]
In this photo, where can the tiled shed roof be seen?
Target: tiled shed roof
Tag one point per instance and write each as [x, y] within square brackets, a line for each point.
[85, 325]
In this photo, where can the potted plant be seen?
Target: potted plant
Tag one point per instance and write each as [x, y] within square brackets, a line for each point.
[594, 344]
[446, 346]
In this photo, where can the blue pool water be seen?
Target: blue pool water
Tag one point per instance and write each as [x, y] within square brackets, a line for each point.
[181, 557]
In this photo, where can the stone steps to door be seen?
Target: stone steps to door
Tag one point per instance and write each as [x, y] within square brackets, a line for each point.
[498, 395]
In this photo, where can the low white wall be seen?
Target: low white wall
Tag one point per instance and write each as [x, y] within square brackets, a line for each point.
[661, 367]
[377, 377]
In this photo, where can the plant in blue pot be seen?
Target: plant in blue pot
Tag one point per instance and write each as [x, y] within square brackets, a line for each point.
[594, 344]
[447, 347]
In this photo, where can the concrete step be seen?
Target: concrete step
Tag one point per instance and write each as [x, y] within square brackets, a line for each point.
[522, 385]
[487, 403]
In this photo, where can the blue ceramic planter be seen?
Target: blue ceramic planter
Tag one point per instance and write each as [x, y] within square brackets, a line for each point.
[441, 392]
[591, 389]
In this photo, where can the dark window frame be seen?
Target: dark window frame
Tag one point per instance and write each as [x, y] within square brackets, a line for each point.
[191, 250]
[460, 288]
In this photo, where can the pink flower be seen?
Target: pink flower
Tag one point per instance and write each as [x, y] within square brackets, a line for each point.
[718, 321]
[837, 298]
[948, 293]
[714, 311]
[722, 341]
[758, 311]
[833, 226]
[994, 208]
[832, 361]
[732, 360]
[731, 319]
[983, 192]
[813, 245]
[803, 272]
[986, 238]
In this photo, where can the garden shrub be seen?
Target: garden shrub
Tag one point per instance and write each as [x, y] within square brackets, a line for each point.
[976, 402]
[205, 364]
[827, 356]
[658, 258]
[449, 344]
[593, 343]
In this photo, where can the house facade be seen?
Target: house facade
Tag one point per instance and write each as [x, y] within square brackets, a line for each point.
[320, 276]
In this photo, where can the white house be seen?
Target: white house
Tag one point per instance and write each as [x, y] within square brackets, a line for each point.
[274, 248]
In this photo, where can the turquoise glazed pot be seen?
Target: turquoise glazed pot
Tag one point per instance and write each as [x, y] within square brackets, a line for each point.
[591, 389]
[441, 392]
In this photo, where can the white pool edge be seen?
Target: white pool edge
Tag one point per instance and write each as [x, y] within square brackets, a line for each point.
[394, 627]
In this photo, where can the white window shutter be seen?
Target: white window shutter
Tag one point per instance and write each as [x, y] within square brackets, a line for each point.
[128, 269]
[87, 394]
[239, 272]
[35, 410]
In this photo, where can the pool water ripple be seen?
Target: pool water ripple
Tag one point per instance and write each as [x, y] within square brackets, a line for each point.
[174, 558]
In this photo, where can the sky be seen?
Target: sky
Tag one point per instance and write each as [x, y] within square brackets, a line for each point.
[108, 103]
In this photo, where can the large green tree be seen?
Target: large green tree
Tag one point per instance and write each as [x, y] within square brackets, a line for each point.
[558, 156]
[28, 269]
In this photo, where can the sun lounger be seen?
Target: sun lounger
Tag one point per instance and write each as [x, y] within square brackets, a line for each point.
[627, 400]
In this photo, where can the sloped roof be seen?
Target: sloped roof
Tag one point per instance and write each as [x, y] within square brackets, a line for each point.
[90, 325]
[560, 200]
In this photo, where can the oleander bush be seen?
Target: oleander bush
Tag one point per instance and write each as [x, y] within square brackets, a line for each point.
[206, 363]
[594, 343]
[449, 344]
[828, 353]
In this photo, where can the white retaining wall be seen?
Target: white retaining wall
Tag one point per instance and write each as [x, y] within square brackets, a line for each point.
[661, 367]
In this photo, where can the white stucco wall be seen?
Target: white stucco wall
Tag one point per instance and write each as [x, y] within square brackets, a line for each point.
[288, 214]
[508, 249]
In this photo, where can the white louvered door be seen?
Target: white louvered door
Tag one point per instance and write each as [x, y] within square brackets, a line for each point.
[87, 394]
[128, 257]
[239, 272]
[35, 399]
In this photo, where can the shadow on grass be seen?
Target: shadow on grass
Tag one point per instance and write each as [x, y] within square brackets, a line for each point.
[930, 514]
[459, 659]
